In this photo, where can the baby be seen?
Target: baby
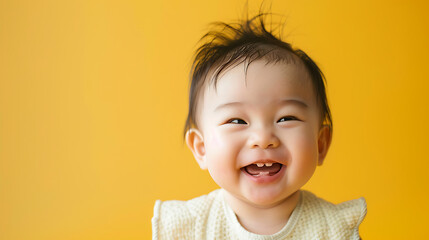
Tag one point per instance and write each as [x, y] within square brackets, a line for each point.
[260, 123]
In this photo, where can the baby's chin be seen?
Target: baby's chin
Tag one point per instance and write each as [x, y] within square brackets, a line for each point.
[265, 197]
[269, 198]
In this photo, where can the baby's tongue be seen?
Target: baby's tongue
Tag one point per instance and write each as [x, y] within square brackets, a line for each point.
[253, 169]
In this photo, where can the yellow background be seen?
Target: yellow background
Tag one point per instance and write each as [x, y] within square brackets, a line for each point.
[93, 98]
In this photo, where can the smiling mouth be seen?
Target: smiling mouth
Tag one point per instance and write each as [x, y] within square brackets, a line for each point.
[260, 169]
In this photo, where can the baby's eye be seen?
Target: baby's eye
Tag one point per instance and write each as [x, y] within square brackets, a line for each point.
[236, 121]
[287, 118]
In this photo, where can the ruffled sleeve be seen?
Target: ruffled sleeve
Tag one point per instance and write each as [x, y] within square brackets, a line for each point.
[172, 220]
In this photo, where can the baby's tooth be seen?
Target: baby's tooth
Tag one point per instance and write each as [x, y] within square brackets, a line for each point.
[260, 164]
[268, 164]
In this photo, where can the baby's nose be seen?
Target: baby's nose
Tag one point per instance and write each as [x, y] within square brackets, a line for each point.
[263, 138]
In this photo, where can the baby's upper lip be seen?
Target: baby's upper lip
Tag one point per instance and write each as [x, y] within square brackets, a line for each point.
[265, 160]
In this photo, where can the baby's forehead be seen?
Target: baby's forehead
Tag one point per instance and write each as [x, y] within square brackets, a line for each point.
[292, 69]
[265, 82]
[266, 54]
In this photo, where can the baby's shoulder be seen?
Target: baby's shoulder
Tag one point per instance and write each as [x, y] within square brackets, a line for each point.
[178, 219]
[190, 208]
[342, 218]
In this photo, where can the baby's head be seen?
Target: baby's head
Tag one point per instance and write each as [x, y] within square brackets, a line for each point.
[258, 116]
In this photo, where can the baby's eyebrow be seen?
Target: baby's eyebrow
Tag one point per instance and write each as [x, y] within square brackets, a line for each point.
[229, 104]
[296, 102]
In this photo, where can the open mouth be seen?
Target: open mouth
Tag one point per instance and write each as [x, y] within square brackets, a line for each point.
[263, 169]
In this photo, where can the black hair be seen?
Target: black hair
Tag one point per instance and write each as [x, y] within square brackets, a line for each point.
[235, 43]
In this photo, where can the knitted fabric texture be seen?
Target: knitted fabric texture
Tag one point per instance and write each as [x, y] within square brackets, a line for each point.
[209, 217]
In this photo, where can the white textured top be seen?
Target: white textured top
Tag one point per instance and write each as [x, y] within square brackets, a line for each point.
[209, 217]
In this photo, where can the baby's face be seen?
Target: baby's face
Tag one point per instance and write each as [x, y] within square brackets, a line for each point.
[260, 136]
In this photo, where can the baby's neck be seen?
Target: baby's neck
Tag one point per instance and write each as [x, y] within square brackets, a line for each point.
[263, 220]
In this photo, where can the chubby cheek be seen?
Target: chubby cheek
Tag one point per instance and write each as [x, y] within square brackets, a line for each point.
[221, 153]
[304, 156]
[213, 140]
[213, 143]
[220, 144]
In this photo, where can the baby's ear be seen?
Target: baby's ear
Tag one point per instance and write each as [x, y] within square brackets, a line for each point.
[324, 141]
[195, 142]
